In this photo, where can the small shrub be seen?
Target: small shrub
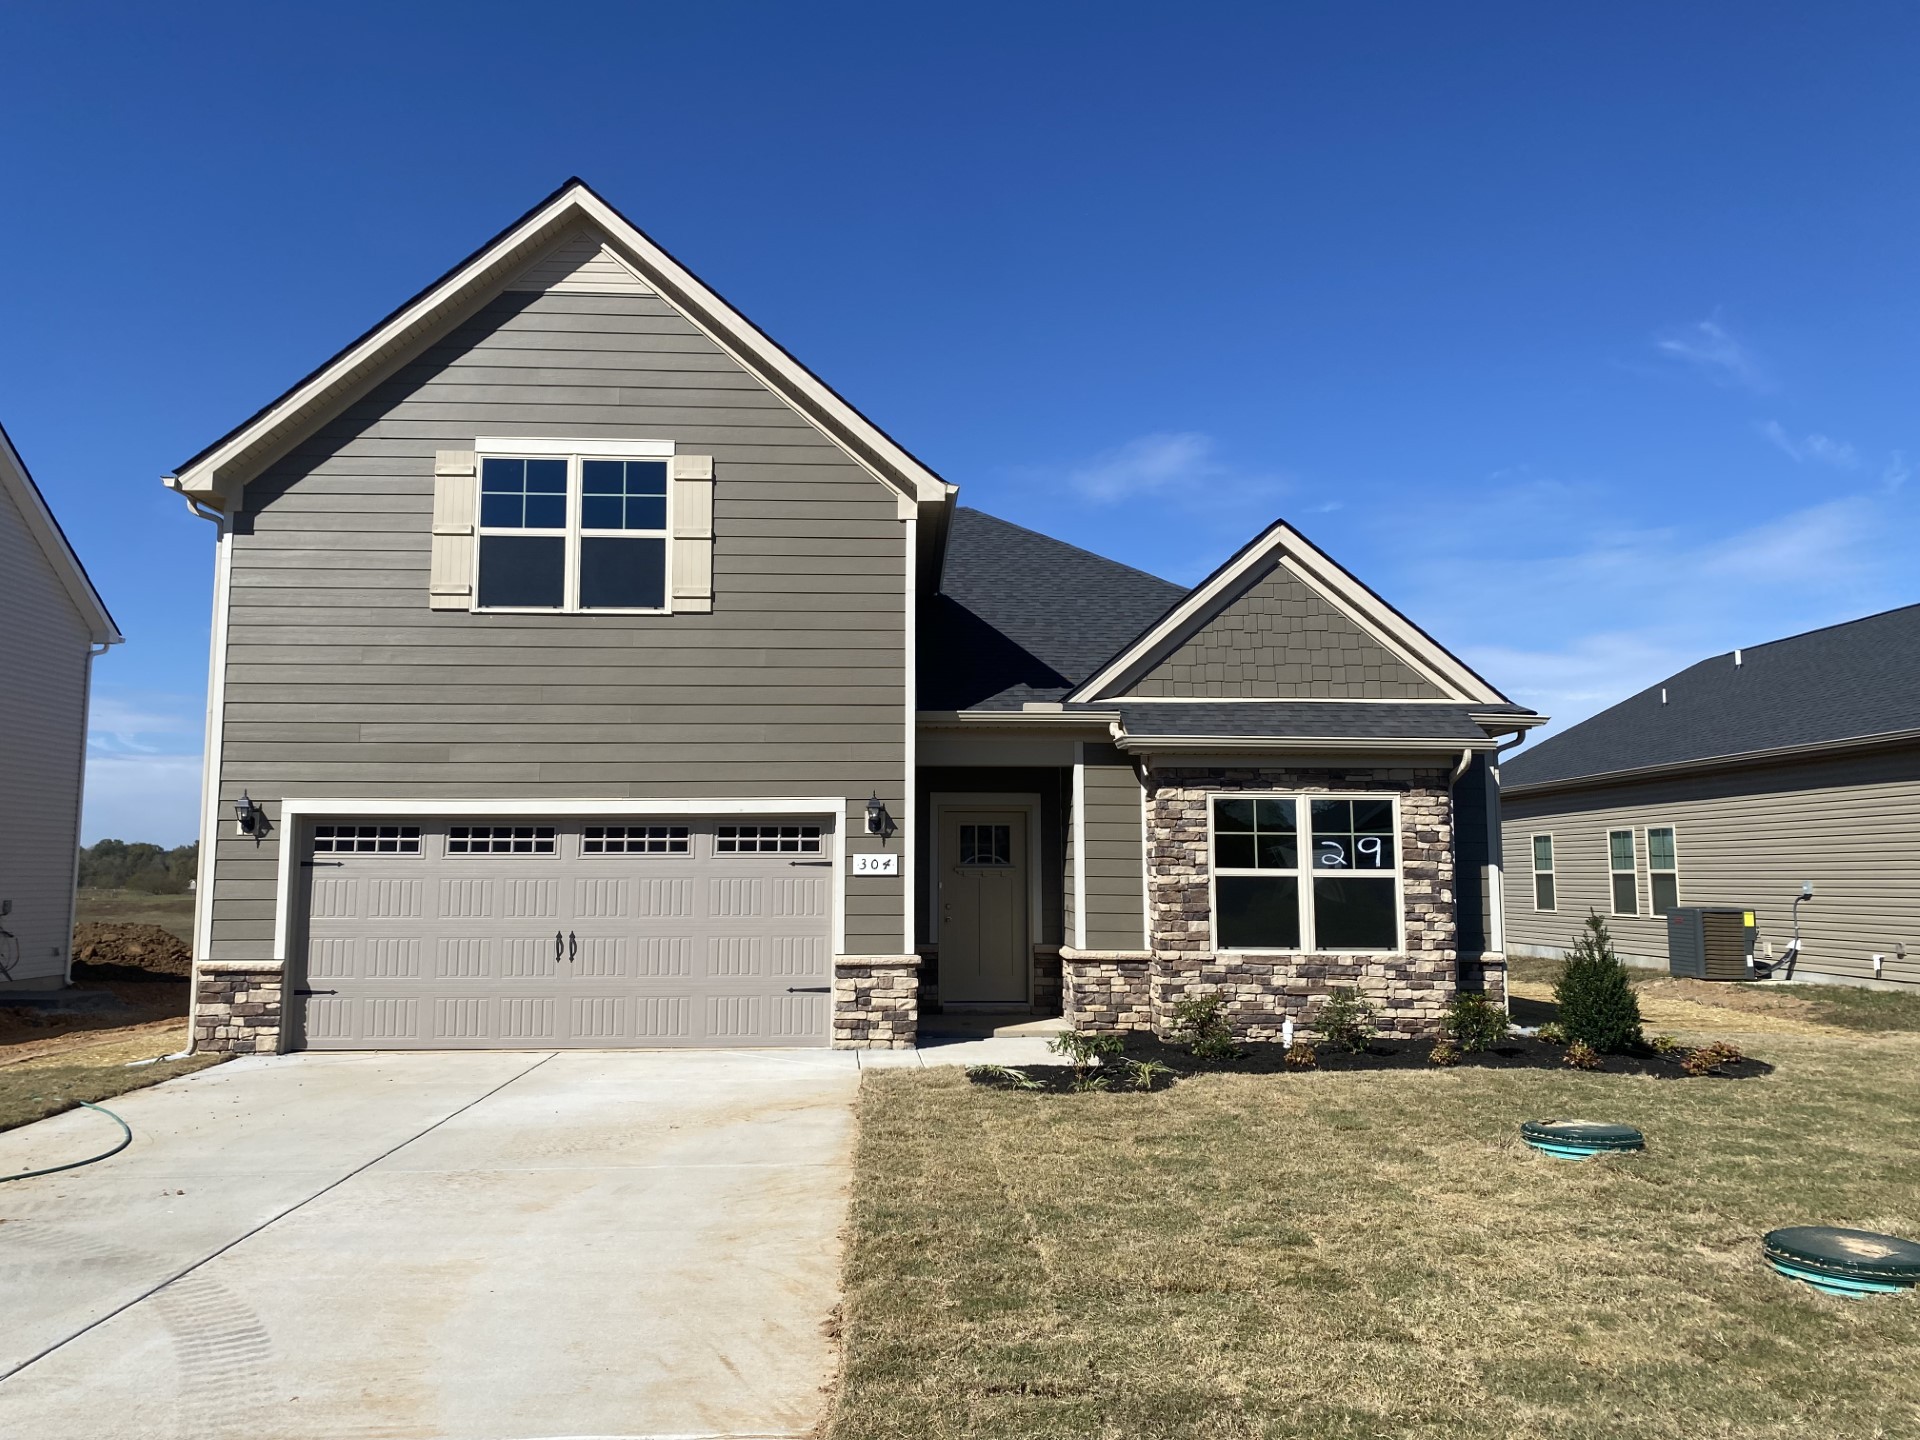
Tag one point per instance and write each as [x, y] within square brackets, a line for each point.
[1664, 1045]
[1707, 1059]
[1474, 1022]
[1145, 1074]
[1582, 1056]
[1084, 1051]
[1345, 1019]
[1002, 1077]
[1444, 1053]
[1594, 995]
[1301, 1056]
[1200, 1023]
[1553, 1032]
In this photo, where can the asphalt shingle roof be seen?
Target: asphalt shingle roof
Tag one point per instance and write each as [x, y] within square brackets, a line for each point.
[1841, 683]
[1022, 616]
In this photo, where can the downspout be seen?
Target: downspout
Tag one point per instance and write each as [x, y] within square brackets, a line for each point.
[210, 762]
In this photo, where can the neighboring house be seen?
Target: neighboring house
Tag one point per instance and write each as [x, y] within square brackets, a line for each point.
[601, 677]
[1734, 783]
[52, 624]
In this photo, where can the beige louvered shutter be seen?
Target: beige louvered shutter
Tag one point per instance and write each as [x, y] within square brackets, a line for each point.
[693, 533]
[456, 502]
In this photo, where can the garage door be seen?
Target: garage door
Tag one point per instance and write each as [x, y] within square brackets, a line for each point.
[461, 934]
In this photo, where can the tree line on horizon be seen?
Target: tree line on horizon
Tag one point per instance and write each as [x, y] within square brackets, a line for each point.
[117, 865]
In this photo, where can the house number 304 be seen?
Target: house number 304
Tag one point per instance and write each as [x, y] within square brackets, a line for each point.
[876, 864]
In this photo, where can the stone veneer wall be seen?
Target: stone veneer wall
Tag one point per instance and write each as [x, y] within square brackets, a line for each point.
[237, 1007]
[876, 1002]
[1411, 988]
[1047, 980]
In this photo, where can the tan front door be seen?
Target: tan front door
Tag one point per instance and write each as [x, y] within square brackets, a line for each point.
[984, 949]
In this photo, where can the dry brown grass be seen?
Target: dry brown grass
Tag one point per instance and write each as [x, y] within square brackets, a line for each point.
[137, 907]
[59, 1073]
[1378, 1255]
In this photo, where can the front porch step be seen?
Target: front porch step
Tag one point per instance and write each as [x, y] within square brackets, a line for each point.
[985, 1024]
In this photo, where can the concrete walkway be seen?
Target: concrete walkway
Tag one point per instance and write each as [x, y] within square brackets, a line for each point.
[490, 1246]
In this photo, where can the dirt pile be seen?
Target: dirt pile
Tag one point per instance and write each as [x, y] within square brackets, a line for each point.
[103, 951]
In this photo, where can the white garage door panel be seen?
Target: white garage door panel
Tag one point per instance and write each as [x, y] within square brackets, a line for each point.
[453, 951]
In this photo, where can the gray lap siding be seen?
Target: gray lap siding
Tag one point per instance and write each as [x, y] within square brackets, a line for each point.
[340, 681]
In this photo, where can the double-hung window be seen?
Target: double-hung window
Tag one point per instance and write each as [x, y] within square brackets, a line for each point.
[572, 533]
[1663, 870]
[1620, 861]
[1543, 872]
[1306, 873]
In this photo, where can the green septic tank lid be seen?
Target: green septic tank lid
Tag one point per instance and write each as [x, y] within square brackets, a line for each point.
[1592, 1134]
[1855, 1254]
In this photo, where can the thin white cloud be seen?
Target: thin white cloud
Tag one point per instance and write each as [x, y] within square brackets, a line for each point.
[1147, 465]
[1709, 349]
[1814, 448]
[155, 798]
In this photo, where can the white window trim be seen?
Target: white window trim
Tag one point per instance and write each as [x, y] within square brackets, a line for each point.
[1303, 876]
[595, 449]
[1533, 862]
[574, 531]
[1673, 830]
[1613, 909]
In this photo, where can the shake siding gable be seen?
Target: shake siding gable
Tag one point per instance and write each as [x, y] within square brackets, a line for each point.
[43, 655]
[1282, 639]
[341, 680]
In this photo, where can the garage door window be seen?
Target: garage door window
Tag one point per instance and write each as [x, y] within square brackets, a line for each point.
[500, 840]
[366, 839]
[767, 839]
[634, 840]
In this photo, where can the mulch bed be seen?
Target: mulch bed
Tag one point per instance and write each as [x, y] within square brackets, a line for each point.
[1515, 1053]
[105, 950]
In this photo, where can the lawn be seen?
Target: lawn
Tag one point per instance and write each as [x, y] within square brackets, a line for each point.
[38, 1080]
[1376, 1254]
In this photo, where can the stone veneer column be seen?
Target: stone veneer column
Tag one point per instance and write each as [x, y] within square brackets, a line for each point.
[1411, 987]
[1106, 990]
[876, 1002]
[238, 1007]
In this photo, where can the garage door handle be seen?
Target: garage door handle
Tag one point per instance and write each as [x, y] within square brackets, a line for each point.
[573, 946]
[809, 989]
[556, 947]
[316, 992]
[809, 862]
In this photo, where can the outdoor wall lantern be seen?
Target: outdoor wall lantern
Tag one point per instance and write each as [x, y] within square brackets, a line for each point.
[252, 819]
[879, 822]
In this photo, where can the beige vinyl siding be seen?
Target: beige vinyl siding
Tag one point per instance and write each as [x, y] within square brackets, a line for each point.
[1282, 638]
[43, 659]
[1115, 851]
[1746, 837]
[341, 681]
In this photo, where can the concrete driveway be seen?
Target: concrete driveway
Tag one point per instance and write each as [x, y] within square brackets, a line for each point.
[494, 1246]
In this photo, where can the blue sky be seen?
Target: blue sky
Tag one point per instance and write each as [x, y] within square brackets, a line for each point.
[1587, 335]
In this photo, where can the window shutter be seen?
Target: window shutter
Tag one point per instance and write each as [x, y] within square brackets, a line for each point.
[693, 533]
[456, 497]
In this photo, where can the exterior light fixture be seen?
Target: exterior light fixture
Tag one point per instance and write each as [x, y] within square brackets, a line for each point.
[250, 817]
[879, 822]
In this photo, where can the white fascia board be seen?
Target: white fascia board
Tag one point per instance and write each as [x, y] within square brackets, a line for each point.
[316, 399]
[1172, 744]
[17, 481]
[1282, 545]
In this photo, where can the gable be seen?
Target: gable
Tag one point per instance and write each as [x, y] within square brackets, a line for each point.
[581, 264]
[1365, 650]
[534, 251]
[35, 558]
[1281, 639]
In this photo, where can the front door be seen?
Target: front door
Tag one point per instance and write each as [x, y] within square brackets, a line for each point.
[985, 952]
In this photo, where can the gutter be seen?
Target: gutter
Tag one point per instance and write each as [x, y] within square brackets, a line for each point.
[1737, 760]
[1126, 740]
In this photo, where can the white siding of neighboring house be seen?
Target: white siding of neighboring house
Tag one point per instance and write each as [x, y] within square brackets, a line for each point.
[43, 690]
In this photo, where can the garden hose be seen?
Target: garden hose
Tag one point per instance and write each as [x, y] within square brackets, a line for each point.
[126, 1139]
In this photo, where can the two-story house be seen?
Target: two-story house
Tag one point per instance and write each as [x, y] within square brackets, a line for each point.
[587, 672]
